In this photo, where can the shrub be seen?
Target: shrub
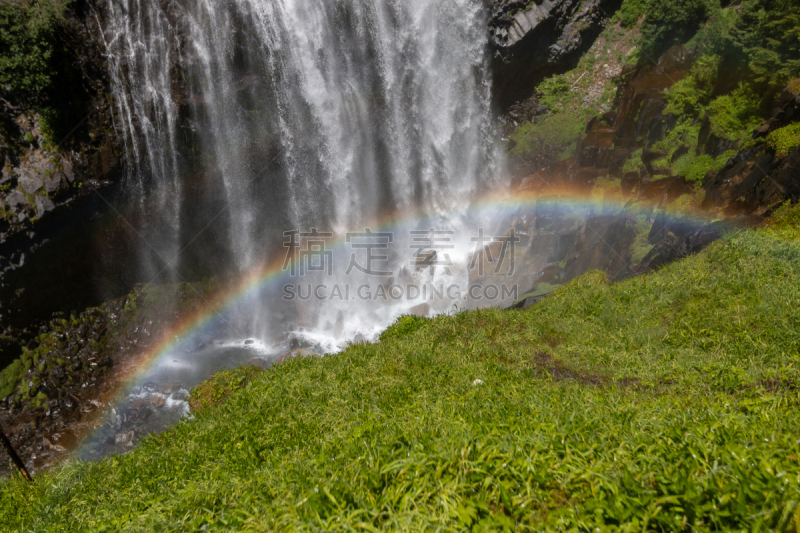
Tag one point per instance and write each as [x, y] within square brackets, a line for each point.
[559, 130]
[682, 97]
[705, 72]
[630, 12]
[27, 32]
[785, 139]
[10, 376]
[695, 168]
[733, 116]
[768, 33]
[715, 36]
[670, 23]
[554, 91]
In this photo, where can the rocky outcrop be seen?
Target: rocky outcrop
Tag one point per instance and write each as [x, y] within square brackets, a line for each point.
[749, 187]
[533, 39]
[72, 369]
[758, 180]
[47, 182]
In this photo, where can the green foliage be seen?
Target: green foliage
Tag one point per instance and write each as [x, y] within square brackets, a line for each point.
[705, 72]
[10, 376]
[695, 168]
[768, 33]
[554, 92]
[27, 32]
[785, 140]
[630, 12]
[640, 247]
[733, 116]
[665, 402]
[634, 161]
[682, 97]
[405, 326]
[558, 130]
[714, 38]
[669, 23]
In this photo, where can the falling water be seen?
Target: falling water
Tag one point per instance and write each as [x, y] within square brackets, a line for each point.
[249, 118]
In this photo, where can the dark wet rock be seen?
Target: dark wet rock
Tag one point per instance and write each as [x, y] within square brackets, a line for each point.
[259, 362]
[630, 181]
[649, 156]
[534, 39]
[123, 438]
[10, 350]
[294, 354]
[33, 166]
[603, 243]
[673, 247]
[70, 374]
[526, 111]
[150, 387]
[529, 302]
[66, 168]
[754, 182]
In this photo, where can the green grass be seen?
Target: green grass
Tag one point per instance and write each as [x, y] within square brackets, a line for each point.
[666, 402]
[695, 168]
[561, 130]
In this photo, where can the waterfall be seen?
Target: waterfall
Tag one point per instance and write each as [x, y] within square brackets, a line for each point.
[263, 116]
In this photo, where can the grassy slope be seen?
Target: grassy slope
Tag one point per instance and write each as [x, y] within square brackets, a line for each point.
[663, 402]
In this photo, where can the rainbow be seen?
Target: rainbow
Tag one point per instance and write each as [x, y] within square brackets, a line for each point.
[494, 205]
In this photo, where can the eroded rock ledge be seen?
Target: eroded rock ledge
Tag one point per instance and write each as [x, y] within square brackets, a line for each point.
[533, 39]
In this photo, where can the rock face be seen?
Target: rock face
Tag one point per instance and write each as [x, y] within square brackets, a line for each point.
[757, 180]
[533, 39]
[752, 183]
[46, 185]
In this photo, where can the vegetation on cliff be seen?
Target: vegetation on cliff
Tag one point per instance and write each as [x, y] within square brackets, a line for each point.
[27, 43]
[665, 402]
[744, 56]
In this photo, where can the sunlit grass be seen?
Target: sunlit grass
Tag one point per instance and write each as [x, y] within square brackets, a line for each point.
[665, 402]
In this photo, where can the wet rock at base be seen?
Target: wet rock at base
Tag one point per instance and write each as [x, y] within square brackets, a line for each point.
[259, 362]
[294, 354]
[123, 438]
[421, 310]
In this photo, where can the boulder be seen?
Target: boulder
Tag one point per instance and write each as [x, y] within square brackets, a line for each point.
[52, 183]
[43, 205]
[15, 199]
[527, 110]
[30, 182]
[124, 438]
[66, 168]
[672, 247]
